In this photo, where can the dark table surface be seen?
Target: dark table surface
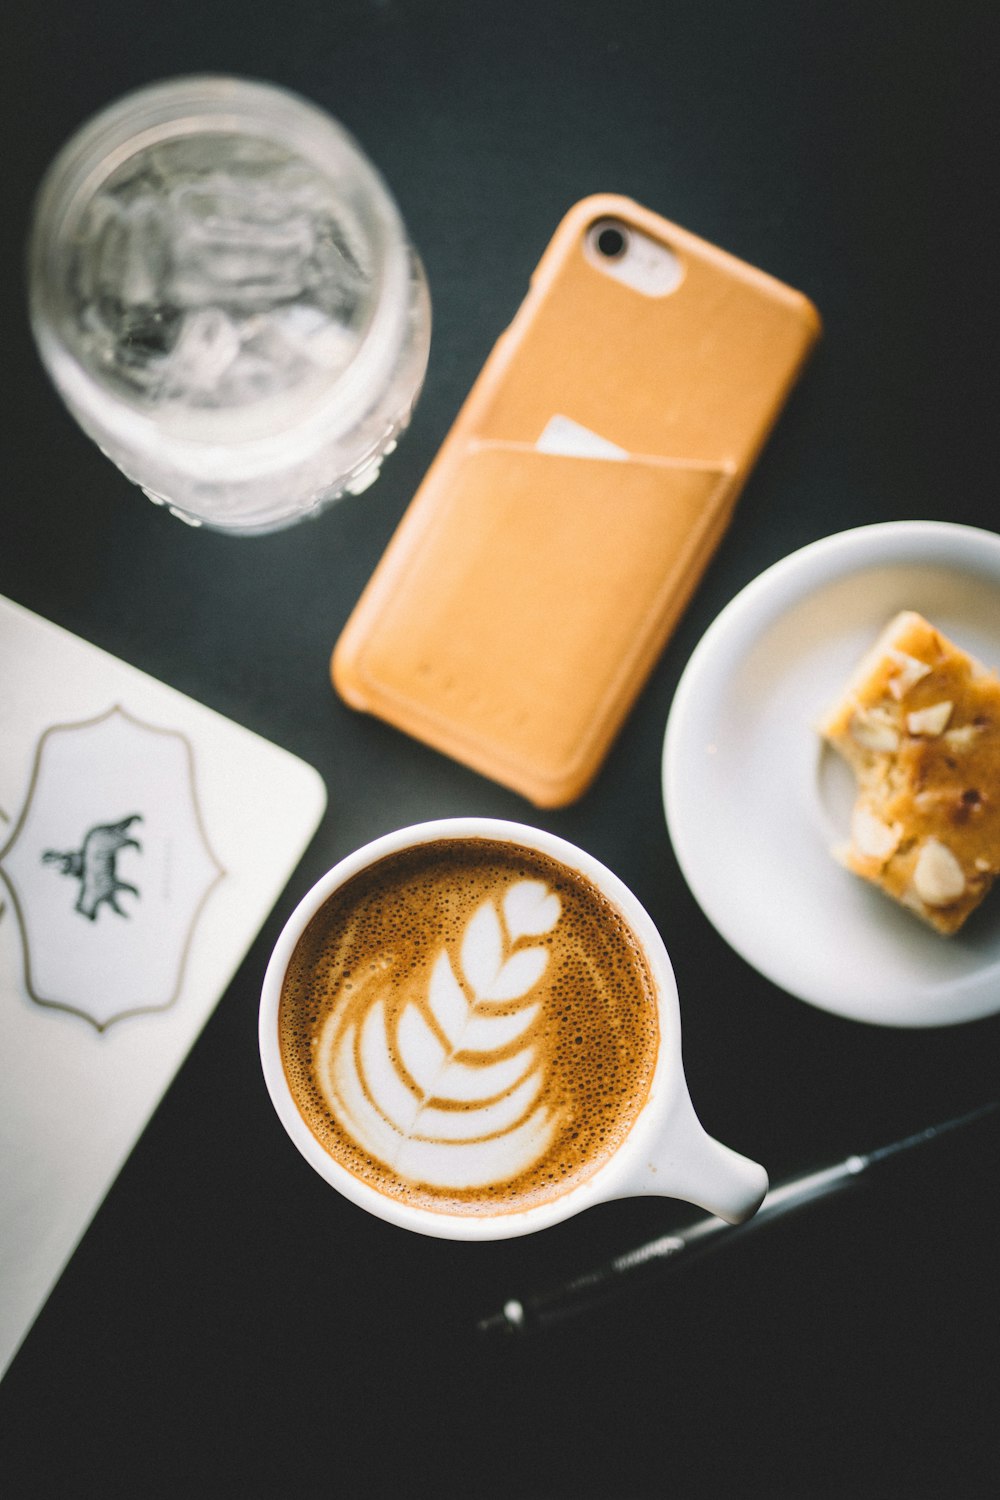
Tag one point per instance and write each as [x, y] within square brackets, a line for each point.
[229, 1324]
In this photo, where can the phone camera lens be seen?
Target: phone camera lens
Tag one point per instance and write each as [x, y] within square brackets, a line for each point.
[611, 241]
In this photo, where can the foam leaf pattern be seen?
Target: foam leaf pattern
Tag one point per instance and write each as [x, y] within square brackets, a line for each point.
[518, 975]
[530, 909]
[447, 1091]
[482, 949]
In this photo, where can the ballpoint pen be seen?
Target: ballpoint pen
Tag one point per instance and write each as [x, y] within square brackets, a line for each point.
[521, 1316]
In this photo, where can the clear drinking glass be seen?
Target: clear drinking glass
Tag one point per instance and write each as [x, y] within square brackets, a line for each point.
[223, 292]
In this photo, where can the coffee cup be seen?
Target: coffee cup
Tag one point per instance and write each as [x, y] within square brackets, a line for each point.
[471, 1028]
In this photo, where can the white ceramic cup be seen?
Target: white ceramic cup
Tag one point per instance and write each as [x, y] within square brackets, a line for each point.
[667, 1152]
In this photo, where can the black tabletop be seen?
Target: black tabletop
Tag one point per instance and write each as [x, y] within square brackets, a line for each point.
[231, 1325]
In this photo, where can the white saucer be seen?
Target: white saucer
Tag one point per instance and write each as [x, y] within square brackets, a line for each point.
[754, 801]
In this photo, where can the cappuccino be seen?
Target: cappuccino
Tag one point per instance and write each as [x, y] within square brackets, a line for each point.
[469, 1026]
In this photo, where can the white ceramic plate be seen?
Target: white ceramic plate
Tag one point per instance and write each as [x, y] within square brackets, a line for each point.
[754, 801]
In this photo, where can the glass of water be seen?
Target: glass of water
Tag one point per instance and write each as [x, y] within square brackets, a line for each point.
[223, 293]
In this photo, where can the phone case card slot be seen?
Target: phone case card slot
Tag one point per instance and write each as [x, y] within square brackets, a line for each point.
[514, 627]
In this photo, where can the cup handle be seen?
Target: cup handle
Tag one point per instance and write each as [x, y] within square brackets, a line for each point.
[688, 1163]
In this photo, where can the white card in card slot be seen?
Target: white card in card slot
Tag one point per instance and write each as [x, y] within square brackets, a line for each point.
[572, 440]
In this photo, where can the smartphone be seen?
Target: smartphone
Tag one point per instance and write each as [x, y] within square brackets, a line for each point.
[575, 503]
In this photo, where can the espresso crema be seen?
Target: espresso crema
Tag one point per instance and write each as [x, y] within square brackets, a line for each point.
[469, 1026]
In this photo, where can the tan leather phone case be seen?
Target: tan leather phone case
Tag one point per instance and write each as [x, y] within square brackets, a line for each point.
[526, 594]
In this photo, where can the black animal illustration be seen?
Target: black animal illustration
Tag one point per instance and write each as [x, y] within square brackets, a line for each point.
[93, 864]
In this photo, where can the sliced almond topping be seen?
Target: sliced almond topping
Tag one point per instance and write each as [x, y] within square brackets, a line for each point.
[937, 874]
[873, 729]
[962, 737]
[871, 837]
[909, 671]
[931, 720]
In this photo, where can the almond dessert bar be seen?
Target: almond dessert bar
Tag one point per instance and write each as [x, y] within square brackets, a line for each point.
[919, 723]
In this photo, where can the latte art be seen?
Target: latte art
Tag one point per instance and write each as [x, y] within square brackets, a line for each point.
[469, 1025]
[448, 1094]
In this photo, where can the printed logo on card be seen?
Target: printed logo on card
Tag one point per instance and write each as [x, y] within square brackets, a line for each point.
[108, 867]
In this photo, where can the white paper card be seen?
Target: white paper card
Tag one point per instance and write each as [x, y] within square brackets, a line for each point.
[144, 839]
[562, 435]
